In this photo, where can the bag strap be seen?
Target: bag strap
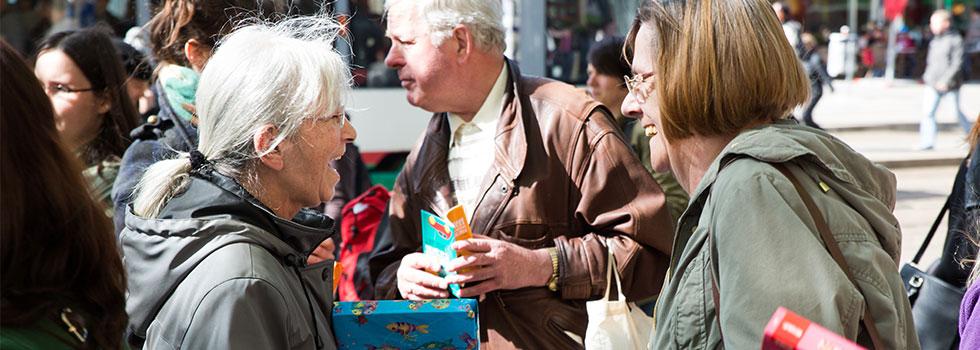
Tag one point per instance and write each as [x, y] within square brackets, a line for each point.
[832, 245]
[613, 274]
[932, 232]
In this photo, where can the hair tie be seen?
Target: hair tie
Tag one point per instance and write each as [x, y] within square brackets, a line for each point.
[198, 160]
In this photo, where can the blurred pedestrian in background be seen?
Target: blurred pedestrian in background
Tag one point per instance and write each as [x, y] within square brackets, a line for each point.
[61, 280]
[943, 77]
[216, 262]
[972, 43]
[85, 81]
[791, 27]
[608, 71]
[817, 72]
[713, 82]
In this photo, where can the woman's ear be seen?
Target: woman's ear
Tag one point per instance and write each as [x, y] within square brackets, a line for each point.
[197, 54]
[104, 102]
[263, 139]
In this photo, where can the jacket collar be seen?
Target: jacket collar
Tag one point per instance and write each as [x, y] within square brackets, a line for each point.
[510, 145]
[869, 188]
[214, 195]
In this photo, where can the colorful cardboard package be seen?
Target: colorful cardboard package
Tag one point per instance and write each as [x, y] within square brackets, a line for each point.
[437, 236]
[406, 324]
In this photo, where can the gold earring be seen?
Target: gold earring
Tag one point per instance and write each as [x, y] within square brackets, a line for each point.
[651, 130]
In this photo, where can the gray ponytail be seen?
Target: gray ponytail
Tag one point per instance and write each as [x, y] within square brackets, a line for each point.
[159, 184]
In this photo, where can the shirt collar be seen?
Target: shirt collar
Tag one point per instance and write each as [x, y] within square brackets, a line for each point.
[486, 117]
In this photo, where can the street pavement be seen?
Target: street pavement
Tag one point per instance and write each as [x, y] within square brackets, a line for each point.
[880, 119]
[921, 193]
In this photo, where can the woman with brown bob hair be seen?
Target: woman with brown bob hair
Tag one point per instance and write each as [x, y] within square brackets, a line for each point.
[62, 276]
[713, 83]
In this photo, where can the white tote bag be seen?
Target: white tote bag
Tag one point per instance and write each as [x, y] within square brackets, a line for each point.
[616, 324]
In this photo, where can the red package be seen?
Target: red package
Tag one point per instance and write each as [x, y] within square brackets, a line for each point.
[787, 330]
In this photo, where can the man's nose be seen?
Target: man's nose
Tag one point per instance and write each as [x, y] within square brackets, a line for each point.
[394, 59]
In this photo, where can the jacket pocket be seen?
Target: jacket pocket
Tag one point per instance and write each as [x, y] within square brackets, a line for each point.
[532, 236]
[691, 309]
[560, 329]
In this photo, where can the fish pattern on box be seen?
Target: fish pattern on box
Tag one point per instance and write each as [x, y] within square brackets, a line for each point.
[407, 324]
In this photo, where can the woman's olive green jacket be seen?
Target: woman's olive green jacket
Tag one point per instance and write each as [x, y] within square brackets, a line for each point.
[766, 251]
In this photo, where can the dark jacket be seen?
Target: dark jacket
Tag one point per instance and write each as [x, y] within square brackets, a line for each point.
[960, 249]
[218, 270]
[815, 68]
[154, 141]
[563, 176]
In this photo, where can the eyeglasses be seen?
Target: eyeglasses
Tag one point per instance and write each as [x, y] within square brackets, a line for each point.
[635, 88]
[339, 119]
[62, 88]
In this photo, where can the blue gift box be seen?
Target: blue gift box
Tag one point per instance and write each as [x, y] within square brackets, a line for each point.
[406, 324]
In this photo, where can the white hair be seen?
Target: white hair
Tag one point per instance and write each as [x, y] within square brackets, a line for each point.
[484, 19]
[260, 74]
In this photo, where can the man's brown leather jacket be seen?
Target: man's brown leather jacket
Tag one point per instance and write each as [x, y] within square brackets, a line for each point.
[563, 176]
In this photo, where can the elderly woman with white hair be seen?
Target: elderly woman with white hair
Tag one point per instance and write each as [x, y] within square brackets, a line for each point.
[214, 261]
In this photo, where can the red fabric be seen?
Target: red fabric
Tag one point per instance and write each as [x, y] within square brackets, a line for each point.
[894, 8]
[359, 223]
[867, 57]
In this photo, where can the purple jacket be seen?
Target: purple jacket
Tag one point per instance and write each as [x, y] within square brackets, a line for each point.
[970, 318]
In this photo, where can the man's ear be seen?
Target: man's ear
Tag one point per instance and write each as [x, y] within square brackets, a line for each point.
[464, 43]
[262, 140]
[197, 54]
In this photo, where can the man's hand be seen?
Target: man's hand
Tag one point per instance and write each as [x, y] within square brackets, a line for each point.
[415, 283]
[324, 251]
[504, 266]
[942, 87]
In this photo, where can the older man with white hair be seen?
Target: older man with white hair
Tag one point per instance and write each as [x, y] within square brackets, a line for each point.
[545, 177]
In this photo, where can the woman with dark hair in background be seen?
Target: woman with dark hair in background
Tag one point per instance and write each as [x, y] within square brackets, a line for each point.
[965, 245]
[62, 278]
[959, 251]
[970, 228]
[87, 88]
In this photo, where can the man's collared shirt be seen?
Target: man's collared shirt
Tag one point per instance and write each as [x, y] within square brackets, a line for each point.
[471, 146]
